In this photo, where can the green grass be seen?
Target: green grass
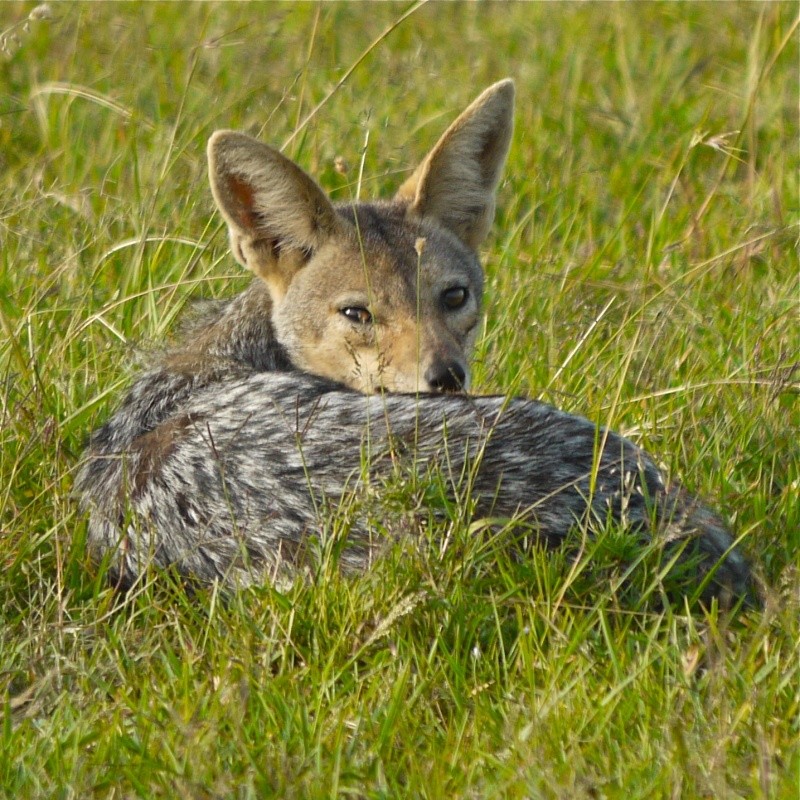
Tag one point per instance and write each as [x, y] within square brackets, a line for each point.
[643, 271]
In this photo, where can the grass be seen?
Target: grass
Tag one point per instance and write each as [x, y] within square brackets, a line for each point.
[643, 271]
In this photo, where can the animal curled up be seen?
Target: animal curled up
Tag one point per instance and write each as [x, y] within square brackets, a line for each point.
[344, 361]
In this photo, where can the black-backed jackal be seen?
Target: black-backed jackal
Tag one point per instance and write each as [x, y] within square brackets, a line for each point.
[340, 368]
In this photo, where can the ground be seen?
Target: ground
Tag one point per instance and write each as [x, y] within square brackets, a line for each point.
[643, 272]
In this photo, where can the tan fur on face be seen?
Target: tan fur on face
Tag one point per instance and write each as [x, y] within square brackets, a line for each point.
[318, 259]
[377, 266]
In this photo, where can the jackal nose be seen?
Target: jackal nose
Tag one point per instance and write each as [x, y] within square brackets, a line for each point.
[446, 377]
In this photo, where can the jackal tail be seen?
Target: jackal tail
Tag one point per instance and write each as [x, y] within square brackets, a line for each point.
[235, 485]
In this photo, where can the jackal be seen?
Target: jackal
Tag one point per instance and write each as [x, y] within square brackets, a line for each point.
[341, 367]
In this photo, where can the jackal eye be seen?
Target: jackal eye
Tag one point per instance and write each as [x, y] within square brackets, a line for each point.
[357, 314]
[455, 298]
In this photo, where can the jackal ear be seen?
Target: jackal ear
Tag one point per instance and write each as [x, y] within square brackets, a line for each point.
[277, 215]
[456, 183]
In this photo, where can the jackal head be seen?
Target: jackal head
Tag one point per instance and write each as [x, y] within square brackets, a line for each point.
[379, 295]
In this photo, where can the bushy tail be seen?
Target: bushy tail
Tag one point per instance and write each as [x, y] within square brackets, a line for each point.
[699, 540]
[216, 481]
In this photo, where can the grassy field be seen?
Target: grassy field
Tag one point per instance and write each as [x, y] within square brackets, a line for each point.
[643, 272]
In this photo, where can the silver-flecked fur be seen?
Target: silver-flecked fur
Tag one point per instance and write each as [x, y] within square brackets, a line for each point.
[235, 480]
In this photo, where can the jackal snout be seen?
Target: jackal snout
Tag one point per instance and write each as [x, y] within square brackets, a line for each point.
[383, 295]
[446, 376]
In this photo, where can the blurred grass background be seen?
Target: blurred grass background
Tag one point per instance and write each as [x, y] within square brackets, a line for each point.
[643, 271]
